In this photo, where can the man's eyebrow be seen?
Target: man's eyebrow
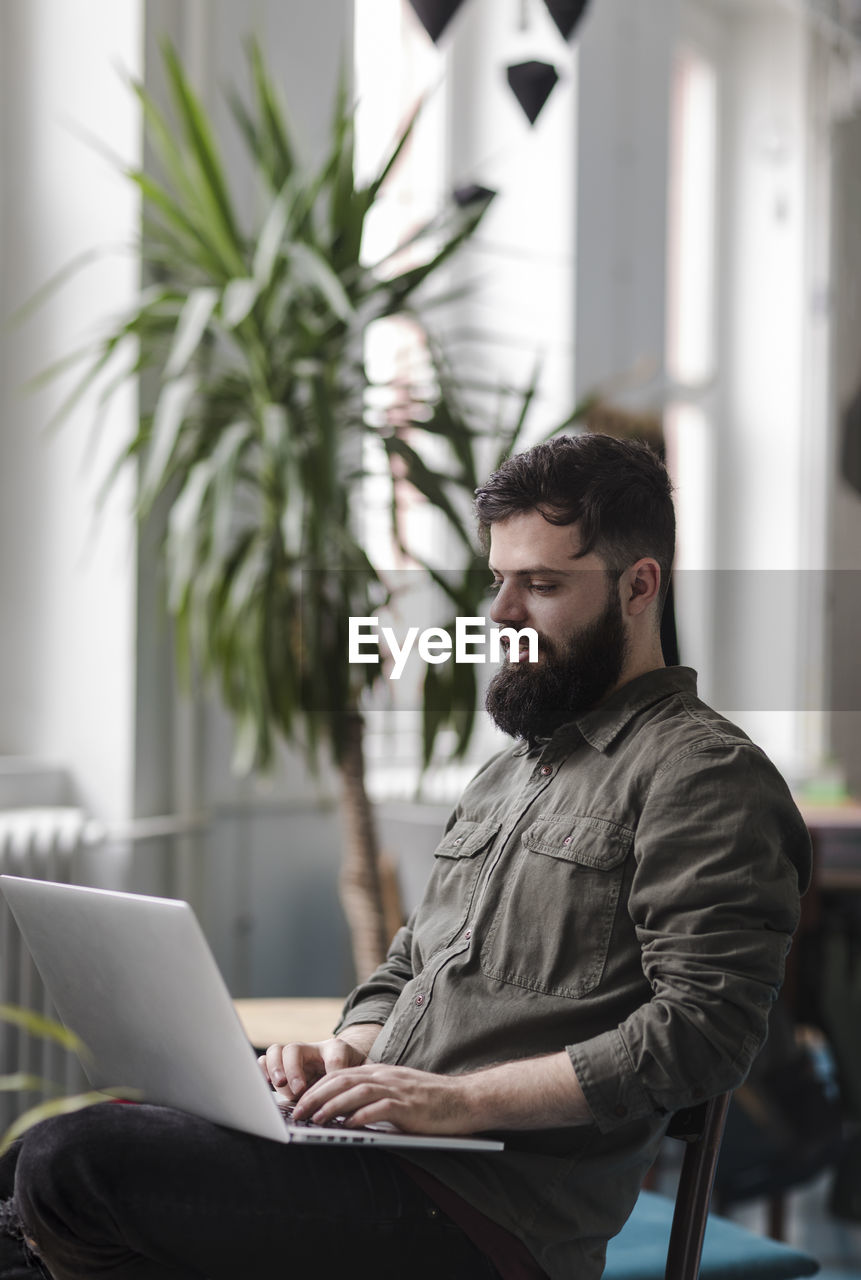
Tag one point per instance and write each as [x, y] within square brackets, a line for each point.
[528, 573]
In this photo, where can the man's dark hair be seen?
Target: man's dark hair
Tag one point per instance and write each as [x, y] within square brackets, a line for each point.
[617, 492]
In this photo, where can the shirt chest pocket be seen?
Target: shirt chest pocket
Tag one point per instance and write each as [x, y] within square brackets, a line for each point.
[448, 898]
[552, 930]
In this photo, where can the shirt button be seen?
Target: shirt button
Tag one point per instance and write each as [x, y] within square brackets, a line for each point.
[621, 1111]
[546, 769]
[567, 840]
[468, 934]
[420, 999]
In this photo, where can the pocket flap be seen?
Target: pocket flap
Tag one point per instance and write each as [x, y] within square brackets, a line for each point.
[592, 842]
[466, 838]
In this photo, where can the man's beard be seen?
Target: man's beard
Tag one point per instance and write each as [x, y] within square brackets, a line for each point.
[529, 700]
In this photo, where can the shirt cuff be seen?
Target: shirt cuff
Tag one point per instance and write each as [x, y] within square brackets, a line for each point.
[372, 1010]
[609, 1083]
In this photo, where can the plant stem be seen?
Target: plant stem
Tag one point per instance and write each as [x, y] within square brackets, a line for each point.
[360, 889]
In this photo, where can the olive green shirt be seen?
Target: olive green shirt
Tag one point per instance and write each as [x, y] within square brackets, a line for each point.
[625, 890]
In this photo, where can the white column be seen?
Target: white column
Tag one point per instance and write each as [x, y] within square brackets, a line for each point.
[623, 106]
[763, 425]
[67, 576]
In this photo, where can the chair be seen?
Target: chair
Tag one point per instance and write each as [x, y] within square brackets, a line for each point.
[663, 1241]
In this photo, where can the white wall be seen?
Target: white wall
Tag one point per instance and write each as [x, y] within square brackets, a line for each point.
[66, 579]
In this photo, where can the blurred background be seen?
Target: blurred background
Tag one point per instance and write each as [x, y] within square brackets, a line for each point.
[676, 231]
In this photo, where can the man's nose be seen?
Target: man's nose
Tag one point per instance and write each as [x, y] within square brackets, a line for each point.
[508, 605]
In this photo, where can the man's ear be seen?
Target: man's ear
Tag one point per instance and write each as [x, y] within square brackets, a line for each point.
[642, 586]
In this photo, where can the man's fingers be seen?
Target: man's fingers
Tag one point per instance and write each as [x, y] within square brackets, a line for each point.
[287, 1065]
[344, 1103]
[302, 1064]
[333, 1088]
[295, 1067]
[274, 1065]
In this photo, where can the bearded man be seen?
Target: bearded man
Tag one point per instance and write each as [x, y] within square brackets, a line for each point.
[600, 942]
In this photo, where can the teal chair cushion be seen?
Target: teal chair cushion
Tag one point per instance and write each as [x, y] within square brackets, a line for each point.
[730, 1252]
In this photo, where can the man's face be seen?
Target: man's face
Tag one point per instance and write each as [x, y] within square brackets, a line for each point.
[575, 609]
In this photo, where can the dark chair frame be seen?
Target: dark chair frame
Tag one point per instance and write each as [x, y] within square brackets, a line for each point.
[702, 1129]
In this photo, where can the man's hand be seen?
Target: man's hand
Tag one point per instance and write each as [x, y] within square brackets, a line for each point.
[413, 1101]
[537, 1093]
[291, 1068]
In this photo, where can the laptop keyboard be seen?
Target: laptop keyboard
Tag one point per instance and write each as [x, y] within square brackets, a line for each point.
[287, 1112]
[334, 1130]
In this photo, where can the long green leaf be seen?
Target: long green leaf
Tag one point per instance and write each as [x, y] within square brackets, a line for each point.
[24, 1082]
[403, 138]
[193, 197]
[246, 125]
[278, 155]
[45, 1028]
[185, 531]
[194, 245]
[429, 484]
[314, 269]
[271, 236]
[204, 149]
[190, 329]
[404, 285]
[170, 414]
[167, 147]
[228, 452]
[238, 301]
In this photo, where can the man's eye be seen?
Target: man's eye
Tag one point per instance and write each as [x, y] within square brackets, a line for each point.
[494, 586]
[542, 588]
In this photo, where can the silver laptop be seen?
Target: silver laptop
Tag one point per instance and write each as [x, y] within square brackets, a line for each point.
[133, 976]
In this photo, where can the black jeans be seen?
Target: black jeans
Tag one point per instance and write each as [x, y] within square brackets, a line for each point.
[148, 1193]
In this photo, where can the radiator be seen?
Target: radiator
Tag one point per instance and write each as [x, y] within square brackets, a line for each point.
[43, 844]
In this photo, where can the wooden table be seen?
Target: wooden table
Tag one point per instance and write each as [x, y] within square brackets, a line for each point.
[281, 1021]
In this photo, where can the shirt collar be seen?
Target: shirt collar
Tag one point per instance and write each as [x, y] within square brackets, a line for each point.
[605, 722]
[600, 726]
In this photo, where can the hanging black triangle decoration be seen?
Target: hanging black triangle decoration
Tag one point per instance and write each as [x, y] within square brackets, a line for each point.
[532, 84]
[566, 14]
[471, 194]
[435, 15]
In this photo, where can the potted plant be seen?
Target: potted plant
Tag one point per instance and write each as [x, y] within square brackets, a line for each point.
[256, 443]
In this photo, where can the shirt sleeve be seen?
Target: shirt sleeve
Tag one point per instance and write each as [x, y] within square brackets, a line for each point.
[373, 1001]
[721, 856]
